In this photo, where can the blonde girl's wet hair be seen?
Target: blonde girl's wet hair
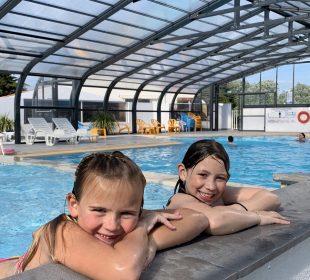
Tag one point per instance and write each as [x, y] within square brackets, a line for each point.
[110, 166]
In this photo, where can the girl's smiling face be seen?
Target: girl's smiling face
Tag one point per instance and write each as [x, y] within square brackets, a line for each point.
[206, 181]
[108, 210]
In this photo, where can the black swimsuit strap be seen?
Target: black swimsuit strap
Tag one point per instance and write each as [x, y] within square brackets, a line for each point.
[169, 200]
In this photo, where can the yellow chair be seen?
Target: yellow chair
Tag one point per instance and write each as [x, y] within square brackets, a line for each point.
[197, 118]
[198, 123]
[123, 127]
[157, 125]
[173, 125]
[144, 127]
[102, 132]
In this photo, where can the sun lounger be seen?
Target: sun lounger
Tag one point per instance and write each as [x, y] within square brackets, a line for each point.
[41, 129]
[64, 124]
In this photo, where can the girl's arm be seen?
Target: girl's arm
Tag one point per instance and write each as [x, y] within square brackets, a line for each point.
[253, 199]
[85, 254]
[225, 220]
[190, 226]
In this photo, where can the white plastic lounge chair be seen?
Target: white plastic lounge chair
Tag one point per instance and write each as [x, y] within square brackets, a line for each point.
[40, 128]
[65, 124]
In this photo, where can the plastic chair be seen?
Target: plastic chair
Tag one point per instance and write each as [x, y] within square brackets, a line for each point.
[144, 127]
[123, 127]
[197, 119]
[40, 128]
[190, 122]
[173, 125]
[65, 124]
[158, 126]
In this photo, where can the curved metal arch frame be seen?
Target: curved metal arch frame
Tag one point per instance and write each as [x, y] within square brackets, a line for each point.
[78, 84]
[226, 26]
[104, 15]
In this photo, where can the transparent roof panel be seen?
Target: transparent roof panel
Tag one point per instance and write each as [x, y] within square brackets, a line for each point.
[95, 46]
[58, 70]
[125, 16]
[128, 30]
[156, 42]
[69, 61]
[13, 63]
[82, 6]
[103, 37]
[39, 25]
[2, 2]
[11, 42]
[84, 54]
[155, 10]
[51, 13]
[185, 5]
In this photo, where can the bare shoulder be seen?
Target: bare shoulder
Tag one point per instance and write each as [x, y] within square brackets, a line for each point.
[180, 200]
[7, 268]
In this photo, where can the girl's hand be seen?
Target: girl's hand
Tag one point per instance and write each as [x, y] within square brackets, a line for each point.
[150, 218]
[271, 217]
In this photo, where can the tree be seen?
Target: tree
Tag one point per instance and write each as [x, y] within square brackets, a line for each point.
[228, 93]
[301, 94]
[8, 84]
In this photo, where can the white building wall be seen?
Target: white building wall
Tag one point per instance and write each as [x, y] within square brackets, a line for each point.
[277, 119]
[224, 113]
[286, 119]
[7, 106]
[254, 119]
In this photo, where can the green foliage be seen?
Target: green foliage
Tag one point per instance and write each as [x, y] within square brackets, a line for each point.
[104, 119]
[301, 94]
[8, 84]
[268, 88]
[229, 93]
[6, 124]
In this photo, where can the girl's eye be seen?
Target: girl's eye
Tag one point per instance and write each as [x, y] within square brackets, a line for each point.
[99, 210]
[128, 214]
[222, 178]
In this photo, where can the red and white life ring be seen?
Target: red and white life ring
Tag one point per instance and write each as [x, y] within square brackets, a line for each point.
[303, 117]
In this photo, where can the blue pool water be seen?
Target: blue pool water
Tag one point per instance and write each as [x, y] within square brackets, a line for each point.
[32, 195]
[29, 197]
[253, 159]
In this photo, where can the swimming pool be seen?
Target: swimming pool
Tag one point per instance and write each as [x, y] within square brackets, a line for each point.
[29, 198]
[253, 159]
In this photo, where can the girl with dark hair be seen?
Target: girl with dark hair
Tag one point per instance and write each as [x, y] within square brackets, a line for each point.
[107, 234]
[203, 175]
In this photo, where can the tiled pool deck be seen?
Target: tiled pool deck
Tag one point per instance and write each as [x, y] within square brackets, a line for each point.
[124, 141]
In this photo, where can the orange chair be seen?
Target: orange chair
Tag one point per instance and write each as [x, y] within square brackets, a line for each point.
[144, 127]
[173, 125]
[123, 126]
[197, 118]
[157, 125]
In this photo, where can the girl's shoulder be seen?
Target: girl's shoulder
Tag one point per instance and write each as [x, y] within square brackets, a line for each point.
[179, 199]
